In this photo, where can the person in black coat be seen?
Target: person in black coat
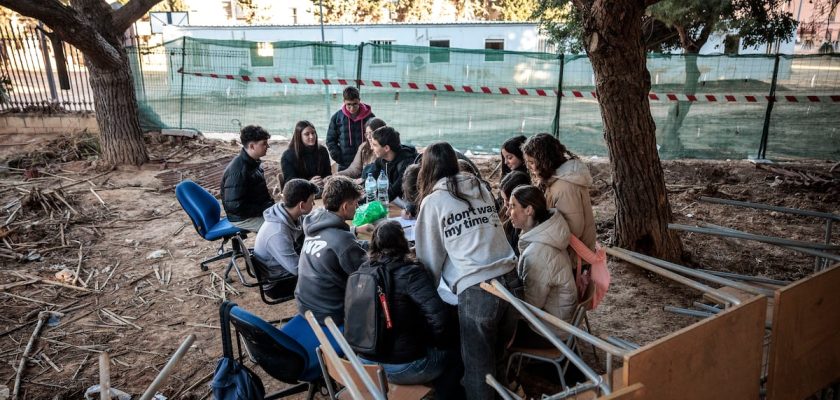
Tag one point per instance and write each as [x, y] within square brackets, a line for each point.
[392, 157]
[305, 158]
[244, 192]
[411, 353]
[347, 128]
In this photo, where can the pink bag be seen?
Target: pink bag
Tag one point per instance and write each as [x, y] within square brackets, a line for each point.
[598, 273]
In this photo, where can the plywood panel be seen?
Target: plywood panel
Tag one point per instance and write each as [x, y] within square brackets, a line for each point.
[805, 342]
[717, 358]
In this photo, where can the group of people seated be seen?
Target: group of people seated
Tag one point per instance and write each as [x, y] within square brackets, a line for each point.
[464, 236]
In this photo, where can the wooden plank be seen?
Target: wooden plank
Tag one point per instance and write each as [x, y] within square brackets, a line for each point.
[635, 391]
[805, 343]
[717, 358]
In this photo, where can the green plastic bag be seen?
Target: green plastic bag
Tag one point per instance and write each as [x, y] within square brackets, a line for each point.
[368, 213]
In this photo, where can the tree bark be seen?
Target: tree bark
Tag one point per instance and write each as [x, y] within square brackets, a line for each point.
[116, 114]
[97, 30]
[614, 45]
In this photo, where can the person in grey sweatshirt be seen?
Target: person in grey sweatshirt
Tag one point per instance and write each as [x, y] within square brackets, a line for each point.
[330, 251]
[280, 238]
[460, 240]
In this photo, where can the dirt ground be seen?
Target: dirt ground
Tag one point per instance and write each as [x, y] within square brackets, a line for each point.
[138, 256]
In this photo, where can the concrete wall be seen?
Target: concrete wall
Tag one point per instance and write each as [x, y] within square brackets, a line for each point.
[38, 123]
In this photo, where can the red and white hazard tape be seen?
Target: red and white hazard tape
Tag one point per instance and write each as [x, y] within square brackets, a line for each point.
[710, 98]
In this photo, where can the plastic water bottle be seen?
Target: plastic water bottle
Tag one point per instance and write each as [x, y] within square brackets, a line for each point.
[382, 188]
[370, 188]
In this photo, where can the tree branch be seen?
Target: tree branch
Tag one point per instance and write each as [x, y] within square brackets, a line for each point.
[125, 16]
[51, 12]
[71, 27]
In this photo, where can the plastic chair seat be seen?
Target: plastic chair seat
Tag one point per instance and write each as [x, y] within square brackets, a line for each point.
[222, 229]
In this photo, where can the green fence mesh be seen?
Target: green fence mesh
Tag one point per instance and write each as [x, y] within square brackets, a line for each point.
[482, 97]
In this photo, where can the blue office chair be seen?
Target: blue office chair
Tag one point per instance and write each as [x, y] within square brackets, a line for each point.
[205, 213]
[286, 354]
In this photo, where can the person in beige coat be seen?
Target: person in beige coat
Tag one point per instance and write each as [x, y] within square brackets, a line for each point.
[565, 180]
[544, 265]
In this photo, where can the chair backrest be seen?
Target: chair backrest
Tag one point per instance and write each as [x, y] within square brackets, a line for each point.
[276, 351]
[202, 208]
[376, 373]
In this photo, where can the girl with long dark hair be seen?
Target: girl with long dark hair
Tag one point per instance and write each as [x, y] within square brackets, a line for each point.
[461, 242]
[306, 158]
[512, 158]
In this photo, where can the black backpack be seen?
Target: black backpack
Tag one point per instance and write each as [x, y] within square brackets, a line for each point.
[367, 314]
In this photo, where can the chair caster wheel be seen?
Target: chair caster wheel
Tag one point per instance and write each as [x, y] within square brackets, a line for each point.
[204, 268]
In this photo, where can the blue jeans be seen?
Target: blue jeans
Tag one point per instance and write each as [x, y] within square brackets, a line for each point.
[487, 324]
[422, 370]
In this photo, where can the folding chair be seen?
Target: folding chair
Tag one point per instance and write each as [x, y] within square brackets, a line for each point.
[286, 354]
[283, 288]
[552, 355]
[375, 372]
[205, 213]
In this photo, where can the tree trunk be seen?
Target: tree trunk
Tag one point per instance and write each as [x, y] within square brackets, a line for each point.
[615, 48]
[116, 114]
[671, 142]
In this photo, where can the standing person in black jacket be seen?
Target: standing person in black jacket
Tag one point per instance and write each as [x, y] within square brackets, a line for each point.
[347, 128]
[411, 350]
[244, 192]
[392, 157]
[305, 158]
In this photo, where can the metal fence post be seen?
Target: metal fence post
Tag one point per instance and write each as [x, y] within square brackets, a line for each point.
[555, 125]
[183, 74]
[359, 64]
[762, 147]
[47, 64]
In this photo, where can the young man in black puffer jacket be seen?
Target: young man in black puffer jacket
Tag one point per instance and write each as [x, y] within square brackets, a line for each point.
[244, 192]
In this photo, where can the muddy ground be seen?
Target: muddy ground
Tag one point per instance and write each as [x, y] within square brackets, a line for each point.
[138, 257]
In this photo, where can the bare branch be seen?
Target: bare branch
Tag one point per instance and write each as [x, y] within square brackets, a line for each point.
[71, 27]
[125, 16]
[51, 12]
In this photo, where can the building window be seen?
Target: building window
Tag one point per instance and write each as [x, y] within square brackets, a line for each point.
[731, 44]
[262, 55]
[494, 44]
[439, 51]
[546, 45]
[322, 54]
[382, 51]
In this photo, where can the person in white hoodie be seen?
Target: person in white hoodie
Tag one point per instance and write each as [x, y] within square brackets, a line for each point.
[460, 240]
[544, 265]
[565, 180]
[280, 239]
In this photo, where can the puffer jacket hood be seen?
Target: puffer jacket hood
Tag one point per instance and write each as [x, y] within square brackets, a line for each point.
[554, 232]
[574, 171]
